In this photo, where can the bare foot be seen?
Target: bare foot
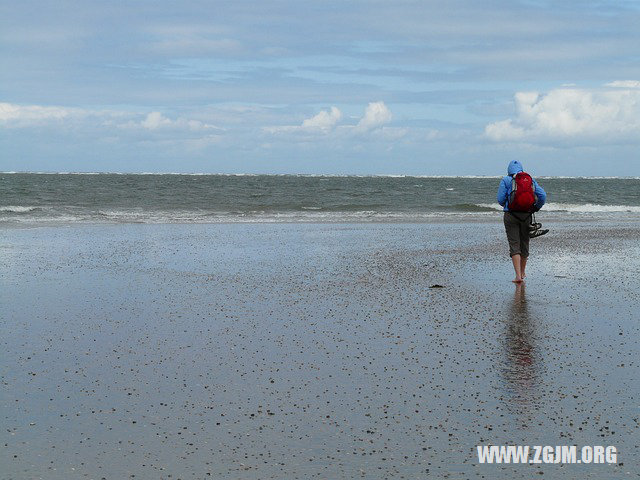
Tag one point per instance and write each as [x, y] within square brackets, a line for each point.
[517, 280]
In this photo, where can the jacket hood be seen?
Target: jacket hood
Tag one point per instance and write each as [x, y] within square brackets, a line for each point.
[514, 167]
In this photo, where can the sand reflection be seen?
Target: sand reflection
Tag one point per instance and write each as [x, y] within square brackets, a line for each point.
[522, 360]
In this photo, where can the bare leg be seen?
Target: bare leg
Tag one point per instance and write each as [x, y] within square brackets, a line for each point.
[523, 265]
[517, 266]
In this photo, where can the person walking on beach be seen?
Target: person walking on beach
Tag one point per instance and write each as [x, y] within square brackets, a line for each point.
[520, 195]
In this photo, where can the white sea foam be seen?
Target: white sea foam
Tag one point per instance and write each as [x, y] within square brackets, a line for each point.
[306, 216]
[60, 219]
[191, 217]
[17, 209]
[576, 208]
[494, 206]
[590, 208]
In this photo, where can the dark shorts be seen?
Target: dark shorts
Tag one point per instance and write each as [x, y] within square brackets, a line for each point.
[516, 224]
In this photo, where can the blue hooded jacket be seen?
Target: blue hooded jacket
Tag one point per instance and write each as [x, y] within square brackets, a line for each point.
[504, 190]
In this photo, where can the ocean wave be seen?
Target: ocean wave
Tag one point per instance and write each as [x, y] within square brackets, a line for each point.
[489, 206]
[574, 208]
[475, 207]
[153, 216]
[35, 221]
[590, 208]
[301, 213]
[256, 216]
[456, 213]
[18, 209]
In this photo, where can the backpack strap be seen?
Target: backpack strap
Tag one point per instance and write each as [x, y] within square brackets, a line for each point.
[513, 189]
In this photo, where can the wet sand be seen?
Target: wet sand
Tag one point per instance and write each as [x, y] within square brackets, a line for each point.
[295, 351]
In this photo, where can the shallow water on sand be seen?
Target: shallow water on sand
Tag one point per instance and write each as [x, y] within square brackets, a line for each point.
[313, 351]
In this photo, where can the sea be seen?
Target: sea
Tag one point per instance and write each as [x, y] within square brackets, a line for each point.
[34, 199]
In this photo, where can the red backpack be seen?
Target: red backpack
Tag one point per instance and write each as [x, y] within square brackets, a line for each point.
[522, 197]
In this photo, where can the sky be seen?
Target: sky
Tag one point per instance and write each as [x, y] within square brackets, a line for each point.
[321, 87]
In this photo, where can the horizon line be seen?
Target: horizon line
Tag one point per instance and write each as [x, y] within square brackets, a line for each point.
[383, 175]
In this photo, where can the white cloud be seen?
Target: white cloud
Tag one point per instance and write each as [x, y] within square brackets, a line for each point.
[325, 120]
[583, 116]
[156, 120]
[20, 115]
[25, 116]
[624, 84]
[375, 116]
